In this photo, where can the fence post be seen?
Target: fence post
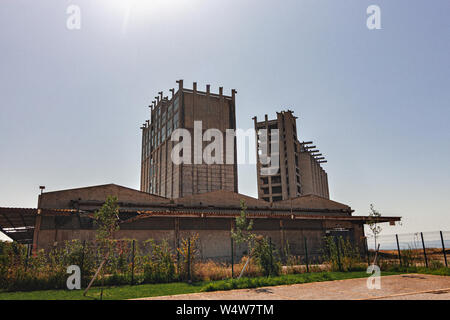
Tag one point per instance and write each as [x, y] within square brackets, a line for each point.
[132, 262]
[189, 259]
[271, 255]
[367, 251]
[306, 255]
[424, 251]
[339, 253]
[178, 256]
[83, 248]
[443, 249]
[398, 249]
[232, 258]
[26, 257]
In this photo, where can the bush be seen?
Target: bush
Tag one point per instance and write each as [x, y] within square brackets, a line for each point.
[266, 257]
[159, 264]
[188, 252]
[347, 258]
[409, 257]
[435, 264]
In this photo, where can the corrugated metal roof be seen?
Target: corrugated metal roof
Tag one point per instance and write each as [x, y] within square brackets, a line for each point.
[18, 223]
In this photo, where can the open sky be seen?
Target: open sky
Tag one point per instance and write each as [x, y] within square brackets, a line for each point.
[375, 102]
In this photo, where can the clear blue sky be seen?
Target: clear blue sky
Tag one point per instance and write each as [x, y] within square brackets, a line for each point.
[376, 102]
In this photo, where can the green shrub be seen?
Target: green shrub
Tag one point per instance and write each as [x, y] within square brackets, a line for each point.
[188, 252]
[342, 255]
[159, 264]
[266, 257]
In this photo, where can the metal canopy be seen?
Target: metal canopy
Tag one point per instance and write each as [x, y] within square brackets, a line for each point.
[18, 223]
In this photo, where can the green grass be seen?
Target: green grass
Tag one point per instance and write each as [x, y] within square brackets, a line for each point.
[153, 290]
[437, 272]
[109, 293]
[285, 280]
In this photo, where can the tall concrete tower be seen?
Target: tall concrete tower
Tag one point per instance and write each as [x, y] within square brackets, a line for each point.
[159, 174]
[300, 170]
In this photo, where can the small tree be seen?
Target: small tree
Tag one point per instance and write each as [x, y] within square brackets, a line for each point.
[107, 221]
[372, 222]
[242, 233]
[244, 226]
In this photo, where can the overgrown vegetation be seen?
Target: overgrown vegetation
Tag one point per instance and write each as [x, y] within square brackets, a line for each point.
[267, 257]
[342, 255]
[155, 262]
[151, 262]
[259, 247]
[188, 252]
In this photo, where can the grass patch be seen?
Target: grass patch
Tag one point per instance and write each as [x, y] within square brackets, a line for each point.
[437, 272]
[244, 283]
[109, 293]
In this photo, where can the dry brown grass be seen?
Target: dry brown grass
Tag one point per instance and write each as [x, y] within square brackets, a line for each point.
[212, 270]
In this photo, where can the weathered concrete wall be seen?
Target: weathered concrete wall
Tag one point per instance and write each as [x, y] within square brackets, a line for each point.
[214, 234]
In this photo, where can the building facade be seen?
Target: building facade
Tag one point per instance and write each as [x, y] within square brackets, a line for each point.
[66, 215]
[159, 174]
[300, 171]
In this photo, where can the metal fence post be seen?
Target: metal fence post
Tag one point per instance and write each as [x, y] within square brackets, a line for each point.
[271, 255]
[232, 258]
[189, 259]
[398, 249]
[339, 253]
[26, 257]
[367, 251]
[443, 249]
[132, 262]
[83, 248]
[178, 256]
[424, 251]
[306, 255]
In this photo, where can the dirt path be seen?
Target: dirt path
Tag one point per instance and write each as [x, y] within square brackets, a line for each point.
[408, 286]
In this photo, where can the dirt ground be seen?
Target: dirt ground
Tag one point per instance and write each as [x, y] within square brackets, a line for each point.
[397, 287]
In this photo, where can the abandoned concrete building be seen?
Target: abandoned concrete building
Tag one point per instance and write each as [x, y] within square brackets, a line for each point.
[176, 201]
[68, 214]
[163, 177]
[300, 172]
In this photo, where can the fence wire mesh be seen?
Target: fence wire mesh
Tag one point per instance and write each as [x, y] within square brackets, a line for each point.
[135, 262]
[412, 249]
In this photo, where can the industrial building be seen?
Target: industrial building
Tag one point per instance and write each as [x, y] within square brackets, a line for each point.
[68, 214]
[300, 172]
[160, 175]
[178, 200]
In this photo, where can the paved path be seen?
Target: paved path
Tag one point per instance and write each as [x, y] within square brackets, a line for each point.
[408, 286]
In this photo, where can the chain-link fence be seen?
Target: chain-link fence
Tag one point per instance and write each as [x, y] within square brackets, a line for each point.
[424, 249]
[136, 262]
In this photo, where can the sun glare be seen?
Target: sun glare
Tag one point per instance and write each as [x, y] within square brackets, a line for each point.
[130, 10]
[146, 5]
